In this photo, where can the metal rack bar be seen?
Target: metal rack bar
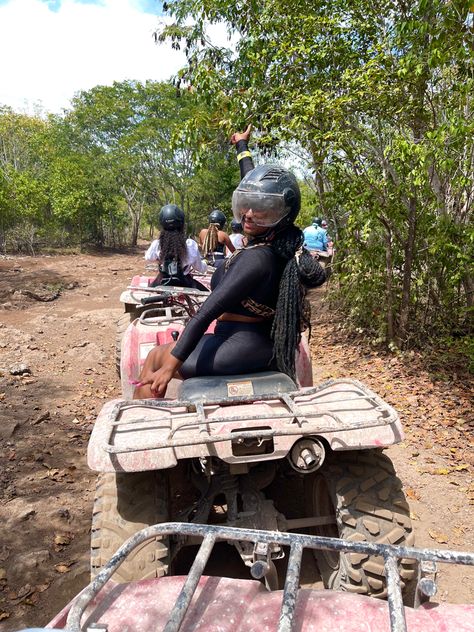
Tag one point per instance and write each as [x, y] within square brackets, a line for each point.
[395, 600]
[290, 591]
[185, 596]
[299, 417]
[296, 542]
[247, 434]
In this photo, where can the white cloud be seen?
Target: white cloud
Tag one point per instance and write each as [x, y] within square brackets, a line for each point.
[47, 56]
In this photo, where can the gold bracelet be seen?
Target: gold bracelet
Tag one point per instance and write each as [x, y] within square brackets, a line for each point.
[243, 154]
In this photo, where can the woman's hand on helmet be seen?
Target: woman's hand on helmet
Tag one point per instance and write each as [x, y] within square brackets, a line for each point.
[236, 136]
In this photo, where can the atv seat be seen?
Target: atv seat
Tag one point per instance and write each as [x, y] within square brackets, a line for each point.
[215, 388]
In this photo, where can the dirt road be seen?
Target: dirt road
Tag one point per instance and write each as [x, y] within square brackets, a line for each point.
[57, 327]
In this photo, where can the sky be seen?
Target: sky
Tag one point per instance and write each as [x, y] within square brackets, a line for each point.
[50, 49]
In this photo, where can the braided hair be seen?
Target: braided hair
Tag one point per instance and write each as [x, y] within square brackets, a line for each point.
[210, 240]
[292, 316]
[172, 245]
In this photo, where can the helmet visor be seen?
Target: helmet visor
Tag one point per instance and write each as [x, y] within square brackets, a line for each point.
[267, 208]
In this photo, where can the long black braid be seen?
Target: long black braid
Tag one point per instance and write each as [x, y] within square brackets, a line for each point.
[291, 314]
[172, 245]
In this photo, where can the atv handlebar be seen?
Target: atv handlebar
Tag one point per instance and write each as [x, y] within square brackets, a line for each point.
[165, 298]
[168, 299]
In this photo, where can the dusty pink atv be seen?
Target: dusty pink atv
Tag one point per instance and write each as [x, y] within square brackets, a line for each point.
[251, 451]
[200, 603]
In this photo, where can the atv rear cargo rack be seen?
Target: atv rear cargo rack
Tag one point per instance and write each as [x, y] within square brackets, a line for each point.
[194, 418]
[344, 412]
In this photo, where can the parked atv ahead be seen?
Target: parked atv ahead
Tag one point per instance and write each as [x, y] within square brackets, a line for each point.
[196, 603]
[141, 296]
[141, 287]
[252, 451]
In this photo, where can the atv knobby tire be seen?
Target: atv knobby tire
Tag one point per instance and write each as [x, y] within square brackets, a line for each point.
[122, 324]
[362, 489]
[125, 503]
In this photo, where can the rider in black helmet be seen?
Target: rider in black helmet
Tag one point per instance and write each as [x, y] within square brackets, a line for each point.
[217, 217]
[175, 254]
[257, 296]
[214, 239]
[171, 218]
[272, 195]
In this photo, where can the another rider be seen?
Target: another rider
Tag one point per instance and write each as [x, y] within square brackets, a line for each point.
[236, 237]
[258, 295]
[324, 226]
[175, 254]
[214, 240]
[315, 237]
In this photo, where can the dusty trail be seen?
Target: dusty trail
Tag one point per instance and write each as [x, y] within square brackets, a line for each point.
[46, 415]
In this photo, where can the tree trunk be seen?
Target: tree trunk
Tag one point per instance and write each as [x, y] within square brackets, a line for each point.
[407, 270]
[389, 286]
[135, 228]
[468, 284]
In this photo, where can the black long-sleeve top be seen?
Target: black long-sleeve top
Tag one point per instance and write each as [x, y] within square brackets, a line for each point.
[249, 286]
[253, 279]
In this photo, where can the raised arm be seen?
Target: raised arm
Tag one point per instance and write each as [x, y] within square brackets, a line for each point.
[240, 140]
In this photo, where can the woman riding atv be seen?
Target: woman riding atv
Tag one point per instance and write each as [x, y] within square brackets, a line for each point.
[214, 239]
[257, 295]
[175, 254]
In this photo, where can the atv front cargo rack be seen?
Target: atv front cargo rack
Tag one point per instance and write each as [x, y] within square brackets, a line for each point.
[291, 591]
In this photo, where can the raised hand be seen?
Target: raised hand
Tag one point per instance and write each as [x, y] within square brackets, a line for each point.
[236, 136]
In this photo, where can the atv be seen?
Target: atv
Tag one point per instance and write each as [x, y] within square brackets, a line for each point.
[252, 451]
[197, 602]
[141, 293]
[141, 286]
[324, 257]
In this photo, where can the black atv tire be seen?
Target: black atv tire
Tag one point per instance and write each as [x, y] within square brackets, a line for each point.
[125, 503]
[363, 491]
[122, 324]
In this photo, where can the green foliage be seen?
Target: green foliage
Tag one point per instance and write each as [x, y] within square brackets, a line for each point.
[99, 173]
[379, 96]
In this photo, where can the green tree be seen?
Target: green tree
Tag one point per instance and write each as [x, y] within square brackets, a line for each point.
[135, 132]
[379, 95]
[23, 192]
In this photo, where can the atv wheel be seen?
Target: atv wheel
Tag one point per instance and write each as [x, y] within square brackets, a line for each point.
[125, 503]
[362, 489]
[122, 324]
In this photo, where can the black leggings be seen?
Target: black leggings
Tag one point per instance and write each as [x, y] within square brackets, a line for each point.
[233, 349]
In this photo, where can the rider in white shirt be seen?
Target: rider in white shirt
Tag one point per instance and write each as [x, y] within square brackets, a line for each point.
[176, 255]
[236, 236]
